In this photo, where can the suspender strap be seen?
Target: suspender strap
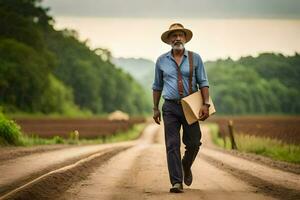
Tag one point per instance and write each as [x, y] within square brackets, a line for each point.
[190, 54]
[179, 76]
[179, 81]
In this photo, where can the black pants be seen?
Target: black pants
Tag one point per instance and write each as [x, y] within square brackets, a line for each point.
[173, 120]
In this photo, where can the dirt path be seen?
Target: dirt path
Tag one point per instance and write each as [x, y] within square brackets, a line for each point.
[10, 153]
[16, 172]
[141, 173]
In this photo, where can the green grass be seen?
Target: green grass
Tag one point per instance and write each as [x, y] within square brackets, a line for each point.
[35, 140]
[272, 148]
[11, 135]
[268, 147]
[131, 134]
[216, 138]
[32, 140]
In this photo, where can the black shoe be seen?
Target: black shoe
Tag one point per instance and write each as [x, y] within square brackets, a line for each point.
[176, 188]
[187, 173]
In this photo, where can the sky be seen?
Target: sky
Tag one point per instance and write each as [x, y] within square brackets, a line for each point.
[222, 28]
[177, 8]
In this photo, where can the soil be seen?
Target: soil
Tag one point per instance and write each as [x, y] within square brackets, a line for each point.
[140, 172]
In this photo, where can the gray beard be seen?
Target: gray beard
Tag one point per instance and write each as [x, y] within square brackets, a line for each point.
[178, 46]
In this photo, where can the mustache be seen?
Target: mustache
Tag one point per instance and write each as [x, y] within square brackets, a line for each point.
[178, 42]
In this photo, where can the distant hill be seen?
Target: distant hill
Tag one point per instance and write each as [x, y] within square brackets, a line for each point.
[141, 69]
[266, 84]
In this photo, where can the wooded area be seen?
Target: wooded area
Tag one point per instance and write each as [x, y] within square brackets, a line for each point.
[48, 71]
[267, 84]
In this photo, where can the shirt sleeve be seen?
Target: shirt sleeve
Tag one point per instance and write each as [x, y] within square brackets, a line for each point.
[158, 77]
[201, 76]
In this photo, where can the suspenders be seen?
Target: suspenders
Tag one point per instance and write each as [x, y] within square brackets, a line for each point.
[179, 76]
[190, 54]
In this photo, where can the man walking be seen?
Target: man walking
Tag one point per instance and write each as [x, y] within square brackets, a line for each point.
[174, 81]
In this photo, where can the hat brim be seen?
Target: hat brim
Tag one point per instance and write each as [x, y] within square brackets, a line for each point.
[188, 33]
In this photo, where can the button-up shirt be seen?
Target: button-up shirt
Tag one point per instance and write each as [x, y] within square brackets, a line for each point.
[165, 78]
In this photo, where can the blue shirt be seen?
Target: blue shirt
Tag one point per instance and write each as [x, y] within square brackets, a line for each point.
[165, 78]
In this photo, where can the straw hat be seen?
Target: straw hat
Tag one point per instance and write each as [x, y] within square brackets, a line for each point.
[176, 27]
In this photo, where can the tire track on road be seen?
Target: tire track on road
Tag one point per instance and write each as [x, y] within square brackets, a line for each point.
[52, 184]
[141, 173]
[108, 179]
[263, 186]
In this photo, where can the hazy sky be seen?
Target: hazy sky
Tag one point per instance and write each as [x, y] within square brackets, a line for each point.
[177, 8]
[222, 28]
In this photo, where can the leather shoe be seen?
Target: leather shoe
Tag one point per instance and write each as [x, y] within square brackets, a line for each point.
[176, 188]
[187, 173]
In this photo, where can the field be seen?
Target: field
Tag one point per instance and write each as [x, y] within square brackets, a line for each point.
[285, 129]
[87, 128]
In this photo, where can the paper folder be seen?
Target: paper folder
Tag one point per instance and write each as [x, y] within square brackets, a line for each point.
[191, 106]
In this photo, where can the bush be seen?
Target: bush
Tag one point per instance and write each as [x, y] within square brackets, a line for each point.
[58, 140]
[10, 132]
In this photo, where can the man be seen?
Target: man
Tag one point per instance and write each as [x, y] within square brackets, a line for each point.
[172, 73]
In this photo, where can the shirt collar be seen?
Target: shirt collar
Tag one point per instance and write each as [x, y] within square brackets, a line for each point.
[169, 54]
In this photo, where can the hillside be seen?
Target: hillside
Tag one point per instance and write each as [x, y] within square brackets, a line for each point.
[266, 84]
[141, 69]
[43, 70]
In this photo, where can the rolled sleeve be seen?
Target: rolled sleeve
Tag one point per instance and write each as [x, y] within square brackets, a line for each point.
[158, 77]
[201, 75]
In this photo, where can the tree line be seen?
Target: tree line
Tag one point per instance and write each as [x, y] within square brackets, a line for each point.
[43, 70]
[266, 84]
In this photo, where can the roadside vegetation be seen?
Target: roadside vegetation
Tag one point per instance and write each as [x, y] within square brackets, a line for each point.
[11, 135]
[269, 147]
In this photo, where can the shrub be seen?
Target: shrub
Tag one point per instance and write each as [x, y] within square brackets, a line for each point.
[58, 140]
[10, 132]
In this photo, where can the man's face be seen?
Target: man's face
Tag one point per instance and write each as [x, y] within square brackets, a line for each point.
[177, 40]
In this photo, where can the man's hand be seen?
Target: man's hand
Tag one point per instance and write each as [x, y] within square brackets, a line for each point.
[203, 113]
[156, 115]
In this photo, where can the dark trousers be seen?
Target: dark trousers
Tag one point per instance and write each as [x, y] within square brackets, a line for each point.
[173, 120]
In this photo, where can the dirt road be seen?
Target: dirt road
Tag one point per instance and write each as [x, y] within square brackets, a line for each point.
[139, 172]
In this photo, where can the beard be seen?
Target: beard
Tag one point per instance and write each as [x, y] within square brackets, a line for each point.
[178, 46]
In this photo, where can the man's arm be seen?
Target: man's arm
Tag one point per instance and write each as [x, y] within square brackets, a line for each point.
[203, 84]
[205, 95]
[156, 98]
[156, 111]
[157, 88]
[204, 112]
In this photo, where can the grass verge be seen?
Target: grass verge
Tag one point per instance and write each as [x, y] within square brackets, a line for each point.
[24, 140]
[272, 148]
